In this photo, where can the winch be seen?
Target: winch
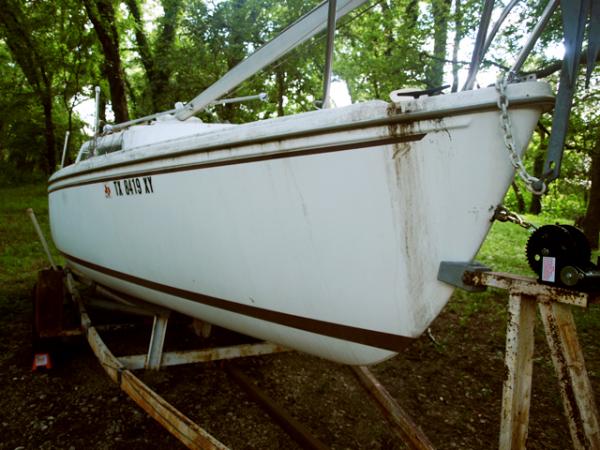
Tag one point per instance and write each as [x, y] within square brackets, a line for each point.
[561, 255]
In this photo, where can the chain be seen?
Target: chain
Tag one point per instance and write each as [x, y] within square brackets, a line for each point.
[533, 184]
[503, 214]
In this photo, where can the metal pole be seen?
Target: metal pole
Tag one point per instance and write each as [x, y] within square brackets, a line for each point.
[477, 57]
[121, 126]
[533, 37]
[496, 26]
[97, 118]
[64, 153]
[261, 96]
[41, 236]
[331, 19]
[304, 28]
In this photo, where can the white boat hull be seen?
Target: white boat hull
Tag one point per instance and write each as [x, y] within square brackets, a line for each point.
[328, 242]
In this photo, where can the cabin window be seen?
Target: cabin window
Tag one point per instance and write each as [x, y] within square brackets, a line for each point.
[101, 146]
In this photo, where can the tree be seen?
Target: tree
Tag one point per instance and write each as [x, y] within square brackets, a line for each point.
[591, 220]
[156, 59]
[222, 37]
[16, 29]
[102, 15]
[381, 49]
[440, 10]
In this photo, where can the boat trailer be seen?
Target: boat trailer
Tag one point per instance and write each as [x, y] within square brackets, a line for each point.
[120, 369]
[55, 283]
[525, 295]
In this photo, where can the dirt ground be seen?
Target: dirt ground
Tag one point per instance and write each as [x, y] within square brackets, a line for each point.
[451, 388]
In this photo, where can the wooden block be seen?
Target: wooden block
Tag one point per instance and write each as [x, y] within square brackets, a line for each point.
[516, 394]
[575, 388]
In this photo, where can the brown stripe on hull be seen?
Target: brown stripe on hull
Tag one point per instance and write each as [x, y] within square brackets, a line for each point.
[242, 160]
[364, 336]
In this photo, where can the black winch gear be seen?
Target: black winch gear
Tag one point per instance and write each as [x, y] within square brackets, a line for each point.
[571, 253]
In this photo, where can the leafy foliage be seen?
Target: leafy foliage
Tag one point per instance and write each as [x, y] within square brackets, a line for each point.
[52, 54]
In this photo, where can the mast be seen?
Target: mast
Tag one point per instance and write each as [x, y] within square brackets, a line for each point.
[303, 29]
[331, 18]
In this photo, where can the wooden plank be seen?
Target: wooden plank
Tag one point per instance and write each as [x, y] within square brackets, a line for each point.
[575, 388]
[294, 428]
[402, 424]
[179, 425]
[133, 362]
[516, 394]
[48, 303]
[519, 284]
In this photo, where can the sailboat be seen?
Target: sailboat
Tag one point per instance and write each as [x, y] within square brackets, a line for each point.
[322, 231]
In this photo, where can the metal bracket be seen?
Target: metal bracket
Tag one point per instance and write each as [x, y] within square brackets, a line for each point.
[157, 341]
[452, 272]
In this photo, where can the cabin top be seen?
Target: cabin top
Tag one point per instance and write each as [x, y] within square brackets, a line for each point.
[164, 128]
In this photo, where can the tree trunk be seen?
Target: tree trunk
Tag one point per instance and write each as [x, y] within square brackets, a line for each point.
[33, 64]
[519, 197]
[535, 207]
[591, 221]
[143, 48]
[162, 53]
[412, 14]
[388, 29]
[458, 34]
[156, 62]
[441, 13]
[49, 135]
[102, 16]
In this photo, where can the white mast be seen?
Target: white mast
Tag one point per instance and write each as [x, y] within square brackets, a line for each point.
[301, 30]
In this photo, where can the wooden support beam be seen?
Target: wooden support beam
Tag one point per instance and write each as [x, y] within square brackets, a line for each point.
[294, 428]
[575, 387]
[179, 425]
[520, 284]
[134, 362]
[402, 424]
[516, 393]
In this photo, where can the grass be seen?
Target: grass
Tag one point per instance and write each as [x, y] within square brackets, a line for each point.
[21, 254]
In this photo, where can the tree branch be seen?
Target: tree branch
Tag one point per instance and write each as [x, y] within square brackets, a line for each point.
[555, 66]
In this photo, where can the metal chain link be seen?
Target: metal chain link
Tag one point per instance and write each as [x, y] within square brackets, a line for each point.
[503, 214]
[533, 184]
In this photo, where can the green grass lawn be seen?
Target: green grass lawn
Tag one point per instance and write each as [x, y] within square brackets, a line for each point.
[21, 254]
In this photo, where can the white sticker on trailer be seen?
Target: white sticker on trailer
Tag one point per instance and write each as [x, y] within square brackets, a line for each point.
[548, 269]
